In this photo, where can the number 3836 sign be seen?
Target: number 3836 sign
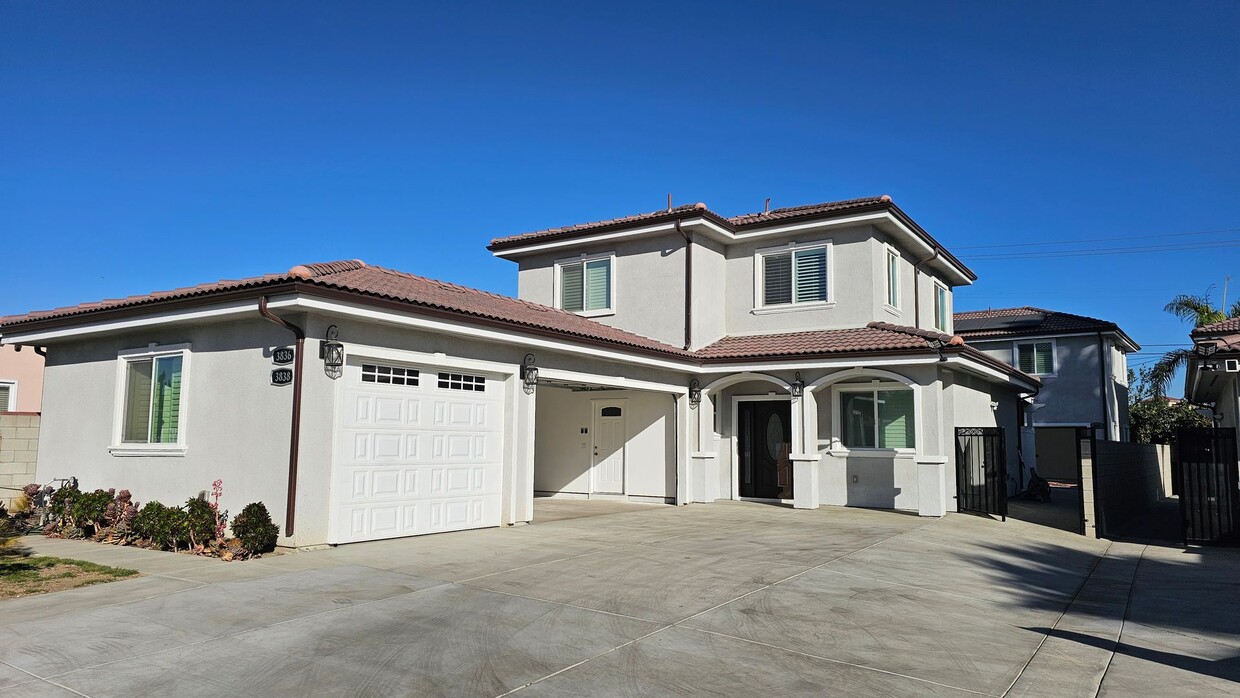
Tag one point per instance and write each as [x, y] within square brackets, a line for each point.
[281, 376]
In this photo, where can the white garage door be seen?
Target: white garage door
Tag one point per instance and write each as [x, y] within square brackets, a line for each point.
[419, 450]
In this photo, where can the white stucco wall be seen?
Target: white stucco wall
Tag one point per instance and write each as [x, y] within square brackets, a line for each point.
[563, 455]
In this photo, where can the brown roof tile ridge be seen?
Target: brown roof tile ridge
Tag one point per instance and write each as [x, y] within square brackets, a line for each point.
[314, 269]
[683, 208]
[953, 340]
[988, 312]
[858, 201]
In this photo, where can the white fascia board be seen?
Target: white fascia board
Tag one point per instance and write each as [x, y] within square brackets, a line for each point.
[556, 244]
[976, 341]
[842, 362]
[979, 368]
[618, 382]
[487, 334]
[159, 318]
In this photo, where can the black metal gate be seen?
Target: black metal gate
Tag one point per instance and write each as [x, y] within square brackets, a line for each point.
[981, 470]
[1209, 499]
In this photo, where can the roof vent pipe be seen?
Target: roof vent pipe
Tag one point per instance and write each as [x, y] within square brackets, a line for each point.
[767, 208]
[669, 202]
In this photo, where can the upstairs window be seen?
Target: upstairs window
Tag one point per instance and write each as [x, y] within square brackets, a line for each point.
[1036, 358]
[794, 274]
[586, 285]
[893, 278]
[940, 308]
[151, 385]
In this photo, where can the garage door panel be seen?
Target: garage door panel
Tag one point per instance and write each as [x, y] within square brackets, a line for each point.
[417, 459]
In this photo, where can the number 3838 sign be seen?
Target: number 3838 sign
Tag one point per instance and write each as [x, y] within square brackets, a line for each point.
[281, 376]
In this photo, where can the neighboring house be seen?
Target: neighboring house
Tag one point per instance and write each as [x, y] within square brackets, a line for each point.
[1213, 376]
[21, 379]
[801, 355]
[1083, 365]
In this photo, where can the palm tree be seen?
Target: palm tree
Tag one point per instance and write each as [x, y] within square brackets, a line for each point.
[1198, 310]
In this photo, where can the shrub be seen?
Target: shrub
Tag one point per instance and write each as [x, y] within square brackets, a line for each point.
[120, 513]
[166, 527]
[60, 505]
[199, 520]
[87, 509]
[253, 526]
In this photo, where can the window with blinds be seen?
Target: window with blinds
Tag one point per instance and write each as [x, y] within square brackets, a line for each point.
[586, 286]
[940, 308]
[152, 400]
[6, 395]
[1036, 358]
[795, 276]
[877, 419]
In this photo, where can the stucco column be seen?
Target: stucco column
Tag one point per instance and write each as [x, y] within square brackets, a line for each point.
[684, 449]
[931, 486]
[804, 463]
[523, 454]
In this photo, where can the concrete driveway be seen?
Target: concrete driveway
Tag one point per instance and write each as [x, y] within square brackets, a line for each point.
[722, 599]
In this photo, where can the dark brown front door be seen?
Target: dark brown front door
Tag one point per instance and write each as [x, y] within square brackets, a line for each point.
[764, 442]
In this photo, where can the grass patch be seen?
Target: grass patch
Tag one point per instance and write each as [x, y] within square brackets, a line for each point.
[23, 576]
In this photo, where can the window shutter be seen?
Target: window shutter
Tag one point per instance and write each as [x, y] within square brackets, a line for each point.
[571, 296]
[1044, 356]
[895, 419]
[4, 398]
[777, 279]
[598, 285]
[811, 276]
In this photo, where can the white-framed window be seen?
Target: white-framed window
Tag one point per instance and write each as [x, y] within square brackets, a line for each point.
[942, 308]
[792, 275]
[587, 284]
[893, 277]
[462, 381]
[877, 416]
[150, 400]
[1036, 357]
[8, 396]
[389, 375]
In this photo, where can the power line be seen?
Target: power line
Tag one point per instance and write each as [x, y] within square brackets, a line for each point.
[1105, 251]
[1110, 239]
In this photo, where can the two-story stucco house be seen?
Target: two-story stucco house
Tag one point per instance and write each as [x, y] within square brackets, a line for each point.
[1083, 365]
[800, 355]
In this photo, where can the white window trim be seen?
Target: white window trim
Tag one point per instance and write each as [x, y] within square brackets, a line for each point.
[557, 284]
[759, 276]
[890, 251]
[123, 357]
[1016, 345]
[947, 306]
[12, 386]
[837, 447]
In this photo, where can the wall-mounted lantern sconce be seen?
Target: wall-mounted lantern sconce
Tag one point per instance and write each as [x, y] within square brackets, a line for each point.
[332, 353]
[529, 374]
[695, 393]
[798, 386]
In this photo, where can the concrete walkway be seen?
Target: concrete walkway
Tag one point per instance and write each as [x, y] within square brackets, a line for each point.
[723, 599]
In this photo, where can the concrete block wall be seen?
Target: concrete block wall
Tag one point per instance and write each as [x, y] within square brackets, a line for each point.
[1127, 481]
[19, 450]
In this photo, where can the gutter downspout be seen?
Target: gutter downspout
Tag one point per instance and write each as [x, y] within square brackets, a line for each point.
[1103, 359]
[290, 506]
[688, 284]
[917, 287]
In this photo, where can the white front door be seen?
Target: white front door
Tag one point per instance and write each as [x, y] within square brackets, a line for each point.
[609, 438]
[419, 450]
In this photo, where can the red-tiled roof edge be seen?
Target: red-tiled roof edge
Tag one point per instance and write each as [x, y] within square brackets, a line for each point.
[918, 332]
[1229, 326]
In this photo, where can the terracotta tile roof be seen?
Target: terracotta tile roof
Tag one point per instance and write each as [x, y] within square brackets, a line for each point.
[780, 214]
[996, 322]
[357, 278]
[875, 337]
[652, 216]
[1228, 326]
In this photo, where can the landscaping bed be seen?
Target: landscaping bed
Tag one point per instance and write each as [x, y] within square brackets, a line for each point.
[24, 576]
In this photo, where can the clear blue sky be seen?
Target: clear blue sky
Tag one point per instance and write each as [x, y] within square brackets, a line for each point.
[151, 145]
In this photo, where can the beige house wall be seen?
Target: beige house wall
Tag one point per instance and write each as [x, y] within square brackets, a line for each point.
[25, 369]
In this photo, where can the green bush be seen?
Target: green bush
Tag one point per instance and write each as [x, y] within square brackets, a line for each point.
[166, 527]
[59, 507]
[88, 510]
[199, 520]
[253, 526]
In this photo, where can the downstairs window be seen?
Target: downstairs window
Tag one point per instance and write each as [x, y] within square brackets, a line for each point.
[877, 418]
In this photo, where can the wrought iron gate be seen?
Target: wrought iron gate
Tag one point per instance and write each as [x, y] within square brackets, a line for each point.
[1209, 499]
[981, 470]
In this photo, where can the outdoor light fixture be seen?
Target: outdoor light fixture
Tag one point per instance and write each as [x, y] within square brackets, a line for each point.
[1205, 349]
[695, 393]
[332, 353]
[529, 374]
[798, 386]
